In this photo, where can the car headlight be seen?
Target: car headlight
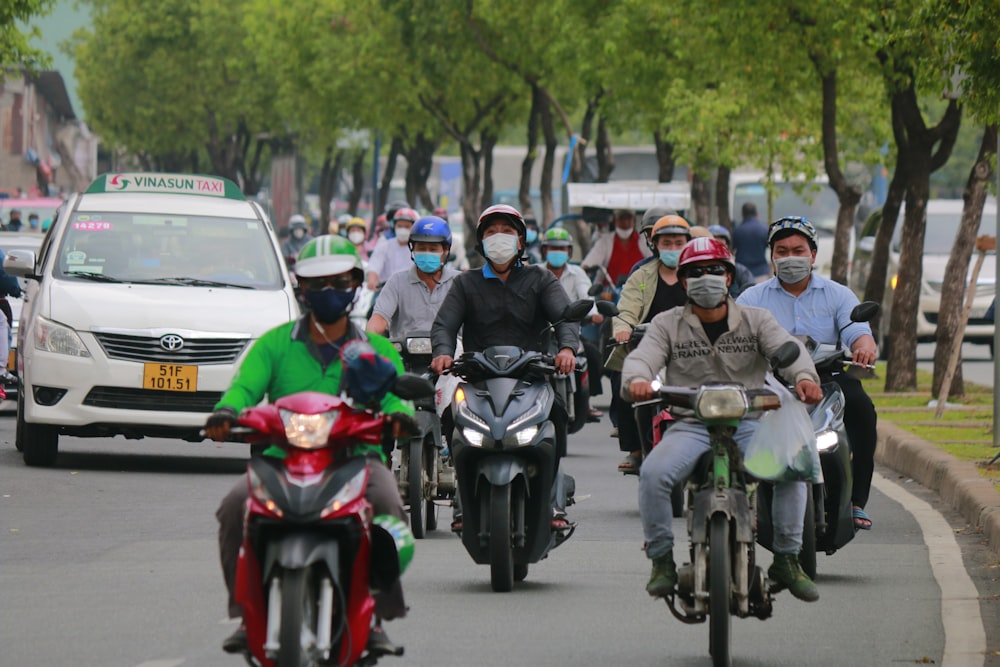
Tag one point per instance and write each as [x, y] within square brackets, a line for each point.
[721, 402]
[473, 437]
[826, 440]
[307, 431]
[59, 339]
[418, 345]
[526, 435]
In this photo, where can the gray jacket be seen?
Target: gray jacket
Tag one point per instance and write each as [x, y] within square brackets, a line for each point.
[676, 341]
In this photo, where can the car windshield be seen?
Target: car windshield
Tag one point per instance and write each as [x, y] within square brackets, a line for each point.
[817, 202]
[939, 234]
[169, 249]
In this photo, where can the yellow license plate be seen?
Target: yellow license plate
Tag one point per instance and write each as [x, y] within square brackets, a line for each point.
[170, 377]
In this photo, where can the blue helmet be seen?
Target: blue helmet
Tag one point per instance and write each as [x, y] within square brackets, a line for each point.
[719, 230]
[430, 229]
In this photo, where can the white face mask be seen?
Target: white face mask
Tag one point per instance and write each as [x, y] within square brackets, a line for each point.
[403, 234]
[791, 270]
[356, 237]
[623, 234]
[707, 291]
[500, 248]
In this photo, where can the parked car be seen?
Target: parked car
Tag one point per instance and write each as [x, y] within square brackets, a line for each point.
[10, 241]
[943, 218]
[142, 301]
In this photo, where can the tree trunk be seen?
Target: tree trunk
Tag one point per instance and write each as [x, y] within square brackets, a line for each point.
[328, 174]
[395, 149]
[605, 158]
[664, 157]
[928, 149]
[419, 165]
[548, 166]
[700, 199]
[524, 187]
[877, 276]
[953, 292]
[577, 171]
[722, 197]
[848, 195]
[357, 182]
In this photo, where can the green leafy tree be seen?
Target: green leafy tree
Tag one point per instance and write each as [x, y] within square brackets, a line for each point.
[15, 47]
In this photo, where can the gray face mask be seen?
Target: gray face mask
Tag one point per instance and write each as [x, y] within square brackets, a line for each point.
[707, 291]
[792, 269]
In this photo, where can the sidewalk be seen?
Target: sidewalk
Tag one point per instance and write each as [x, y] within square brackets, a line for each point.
[957, 482]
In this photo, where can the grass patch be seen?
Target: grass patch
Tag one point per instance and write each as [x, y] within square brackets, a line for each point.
[965, 431]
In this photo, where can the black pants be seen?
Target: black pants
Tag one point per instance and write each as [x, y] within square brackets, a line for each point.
[860, 421]
[595, 367]
[382, 492]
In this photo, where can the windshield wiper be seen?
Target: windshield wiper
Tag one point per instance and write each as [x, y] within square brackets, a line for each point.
[93, 275]
[196, 282]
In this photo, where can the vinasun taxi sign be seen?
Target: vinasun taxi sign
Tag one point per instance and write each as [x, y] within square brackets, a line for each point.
[178, 184]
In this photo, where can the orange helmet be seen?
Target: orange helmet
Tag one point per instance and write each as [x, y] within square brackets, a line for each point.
[671, 224]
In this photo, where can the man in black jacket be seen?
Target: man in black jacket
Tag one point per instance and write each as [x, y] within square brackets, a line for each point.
[507, 302]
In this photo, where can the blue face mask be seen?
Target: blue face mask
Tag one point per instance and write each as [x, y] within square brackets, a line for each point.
[428, 262]
[328, 304]
[557, 258]
[670, 258]
[531, 236]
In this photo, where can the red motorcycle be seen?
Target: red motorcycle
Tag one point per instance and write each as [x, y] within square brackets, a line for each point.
[312, 552]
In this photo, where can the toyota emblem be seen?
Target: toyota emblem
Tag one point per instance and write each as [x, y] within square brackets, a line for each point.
[171, 342]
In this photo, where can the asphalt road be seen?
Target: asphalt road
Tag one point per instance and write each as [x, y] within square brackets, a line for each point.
[109, 560]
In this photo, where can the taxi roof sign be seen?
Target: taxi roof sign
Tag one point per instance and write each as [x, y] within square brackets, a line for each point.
[175, 184]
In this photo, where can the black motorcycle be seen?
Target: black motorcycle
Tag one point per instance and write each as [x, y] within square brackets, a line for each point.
[425, 477]
[829, 523]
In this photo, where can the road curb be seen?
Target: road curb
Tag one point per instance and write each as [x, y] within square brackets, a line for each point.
[957, 482]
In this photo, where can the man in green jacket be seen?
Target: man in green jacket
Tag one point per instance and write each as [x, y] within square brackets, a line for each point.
[304, 355]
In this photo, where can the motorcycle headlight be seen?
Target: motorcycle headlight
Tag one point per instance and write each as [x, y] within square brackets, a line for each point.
[347, 494]
[261, 494]
[721, 402]
[418, 345]
[465, 411]
[59, 339]
[307, 431]
[473, 437]
[826, 440]
[526, 435]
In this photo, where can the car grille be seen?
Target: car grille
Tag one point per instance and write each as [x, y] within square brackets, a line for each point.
[201, 351]
[130, 398]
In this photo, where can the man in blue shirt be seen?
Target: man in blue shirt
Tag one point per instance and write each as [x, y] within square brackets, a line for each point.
[750, 243]
[805, 303]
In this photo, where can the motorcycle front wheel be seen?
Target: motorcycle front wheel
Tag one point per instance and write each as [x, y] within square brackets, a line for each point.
[298, 612]
[807, 556]
[501, 544]
[415, 487]
[720, 591]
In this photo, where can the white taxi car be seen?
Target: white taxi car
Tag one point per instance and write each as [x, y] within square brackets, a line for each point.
[141, 302]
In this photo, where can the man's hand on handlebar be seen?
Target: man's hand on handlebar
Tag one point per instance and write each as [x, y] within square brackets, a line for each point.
[622, 336]
[641, 390]
[865, 352]
[403, 425]
[565, 361]
[219, 424]
[808, 392]
[441, 363]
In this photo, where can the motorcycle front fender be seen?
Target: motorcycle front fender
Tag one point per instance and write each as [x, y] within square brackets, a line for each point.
[501, 470]
[428, 422]
[300, 550]
[734, 503]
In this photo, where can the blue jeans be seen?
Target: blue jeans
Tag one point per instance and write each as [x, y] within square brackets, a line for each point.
[673, 460]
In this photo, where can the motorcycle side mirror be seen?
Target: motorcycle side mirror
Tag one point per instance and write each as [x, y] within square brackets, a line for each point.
[595, 289]
[785, 355]
[409, 386]
[863, 312]
[607, 308]
[577, 310]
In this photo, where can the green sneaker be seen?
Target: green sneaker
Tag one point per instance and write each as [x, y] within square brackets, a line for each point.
[663, 577]
[786, 572]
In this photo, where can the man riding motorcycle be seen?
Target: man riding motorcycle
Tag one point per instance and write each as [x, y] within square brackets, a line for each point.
[304, 355]
[809, 304]
[712, 339]
[507, 302]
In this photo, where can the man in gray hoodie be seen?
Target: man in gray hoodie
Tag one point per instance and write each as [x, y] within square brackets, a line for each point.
[712, 339]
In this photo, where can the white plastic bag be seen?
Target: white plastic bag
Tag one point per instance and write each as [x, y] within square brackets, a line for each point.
[783, 449]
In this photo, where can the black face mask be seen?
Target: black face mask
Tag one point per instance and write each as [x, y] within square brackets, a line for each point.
[329, 305]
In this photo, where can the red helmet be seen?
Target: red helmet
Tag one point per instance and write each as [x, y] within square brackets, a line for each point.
[503, 211]
[405, 214]
[705, 248]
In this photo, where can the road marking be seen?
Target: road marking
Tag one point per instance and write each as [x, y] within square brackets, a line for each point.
[169, 662]
[964, 635]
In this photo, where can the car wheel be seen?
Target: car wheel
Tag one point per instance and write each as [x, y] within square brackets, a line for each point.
[38, 444]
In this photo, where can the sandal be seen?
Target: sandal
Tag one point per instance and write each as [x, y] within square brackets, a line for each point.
[559, 521]
[861, 520]
[630, 464]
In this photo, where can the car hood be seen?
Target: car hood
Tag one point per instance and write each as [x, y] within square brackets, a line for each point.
[934, 266]
[91, 306]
